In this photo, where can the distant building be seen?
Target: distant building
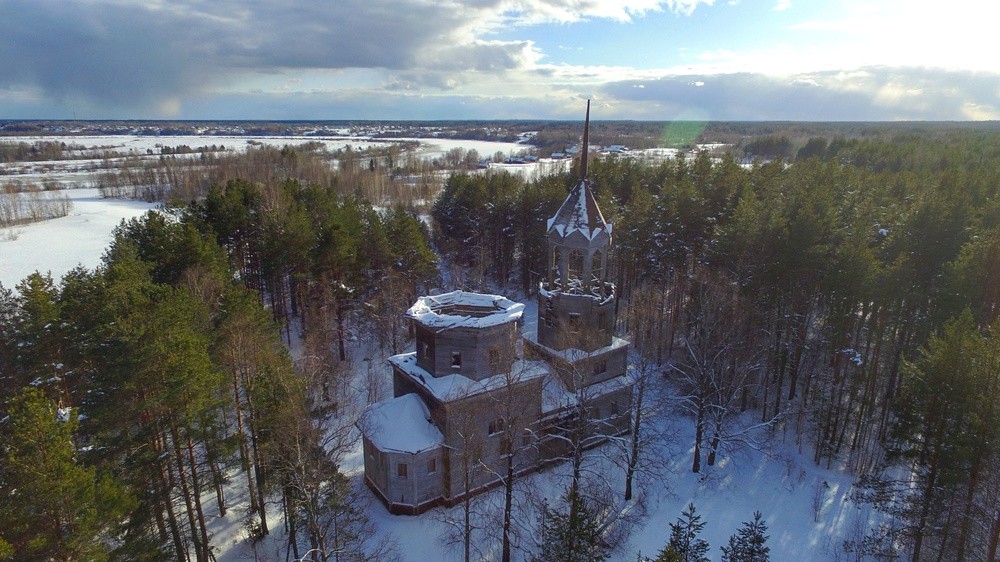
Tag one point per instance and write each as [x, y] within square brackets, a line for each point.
[477, 392]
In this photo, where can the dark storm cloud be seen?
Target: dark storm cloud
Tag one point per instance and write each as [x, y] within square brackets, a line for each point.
[137, 54]
[65, 50]
[869, 94]
[371, 105]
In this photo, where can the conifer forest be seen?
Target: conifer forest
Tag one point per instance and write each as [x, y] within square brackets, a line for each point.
[840, 291]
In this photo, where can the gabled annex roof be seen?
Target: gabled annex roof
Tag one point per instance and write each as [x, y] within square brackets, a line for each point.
[401, 424]
[456, 386]
[462, 309]
[556, 397]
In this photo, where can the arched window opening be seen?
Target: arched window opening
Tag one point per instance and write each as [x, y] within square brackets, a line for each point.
[575, 265]
[597, 267]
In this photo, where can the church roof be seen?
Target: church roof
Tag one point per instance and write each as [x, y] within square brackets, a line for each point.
[401, 424]
[579, 213]
[461, 309]
[457, 386]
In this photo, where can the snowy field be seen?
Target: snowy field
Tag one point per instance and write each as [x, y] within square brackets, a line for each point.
[534, 170]
[81, 166]
[807, 508]
[139, 144]
[58, 245]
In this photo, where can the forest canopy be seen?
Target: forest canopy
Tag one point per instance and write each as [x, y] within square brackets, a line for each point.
[846, 289]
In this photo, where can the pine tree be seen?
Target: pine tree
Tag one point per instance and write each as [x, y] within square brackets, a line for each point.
[570, 534]
[51, 508]
[943, 438]
[685, 545]
[668, 554]
[36, 351]
[749, 542]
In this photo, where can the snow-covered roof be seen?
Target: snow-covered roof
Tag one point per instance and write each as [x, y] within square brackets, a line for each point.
[462, 309]
[450, 387]
[579, 213]
[573, 354]
[401, 424]
[555, 395]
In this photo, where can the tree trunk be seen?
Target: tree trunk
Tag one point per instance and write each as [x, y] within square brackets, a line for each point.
[196, 486]
[699, 429]
[925, 508]
[793, 372]
[218, 479]
[993, 552]
[166, 484]
[241, 438]
[508, 503]
[633, 458]
[186, 493]
[291, 527]
[258, 473]
[467, 507]
[340, 331]
[714, 447]
[967, 515]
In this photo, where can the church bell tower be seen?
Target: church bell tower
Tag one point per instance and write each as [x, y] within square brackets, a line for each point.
[576, 302]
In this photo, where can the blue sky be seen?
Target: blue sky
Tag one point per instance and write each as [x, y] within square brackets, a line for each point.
[496, 59]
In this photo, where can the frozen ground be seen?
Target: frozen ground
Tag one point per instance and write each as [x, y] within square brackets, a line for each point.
[59, 245]
[807, 508]
[81, 169]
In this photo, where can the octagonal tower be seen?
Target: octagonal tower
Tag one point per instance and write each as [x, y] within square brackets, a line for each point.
[576, 302]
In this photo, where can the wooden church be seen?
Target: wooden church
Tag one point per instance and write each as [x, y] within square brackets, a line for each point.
[484, 396]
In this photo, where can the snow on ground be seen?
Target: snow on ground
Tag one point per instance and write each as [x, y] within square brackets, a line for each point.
[139, 144]
[783, 484]
[435, 148]
[58, 245]
[535, 170]
[81, 170]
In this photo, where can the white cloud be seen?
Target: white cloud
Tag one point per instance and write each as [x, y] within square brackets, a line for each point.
[145, 55]
[980, 112]
[138, 57]
[565, 11]
[876, 93]
[959, 34]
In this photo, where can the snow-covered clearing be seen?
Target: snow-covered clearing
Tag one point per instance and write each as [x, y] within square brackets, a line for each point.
[535, 170]
[59, 245]
[807, 508]
[80, 168]
[782, 486]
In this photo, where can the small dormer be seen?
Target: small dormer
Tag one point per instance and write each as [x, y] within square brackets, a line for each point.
[469, 334]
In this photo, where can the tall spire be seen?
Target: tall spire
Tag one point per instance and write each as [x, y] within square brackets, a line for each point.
[586, 144]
